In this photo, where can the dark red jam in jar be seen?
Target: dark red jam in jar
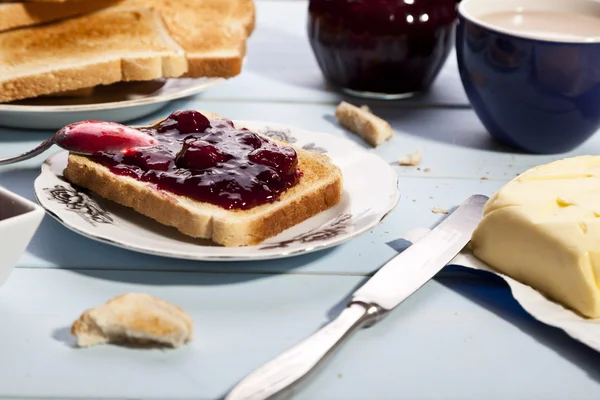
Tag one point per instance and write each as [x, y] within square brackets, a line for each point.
[209, 161]
[381, 48]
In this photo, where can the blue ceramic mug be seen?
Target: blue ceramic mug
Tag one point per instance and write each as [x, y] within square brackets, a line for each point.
[533, 83]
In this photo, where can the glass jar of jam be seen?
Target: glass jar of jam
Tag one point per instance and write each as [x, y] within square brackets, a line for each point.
[387, 49]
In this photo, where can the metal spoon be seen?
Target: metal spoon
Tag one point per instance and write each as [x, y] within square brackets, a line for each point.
[88, 137]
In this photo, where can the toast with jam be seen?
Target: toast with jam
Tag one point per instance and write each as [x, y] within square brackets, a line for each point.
[108, 46]
[211, 179]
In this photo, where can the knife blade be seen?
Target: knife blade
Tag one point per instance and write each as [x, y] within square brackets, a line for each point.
[411, 269]
[390, 286]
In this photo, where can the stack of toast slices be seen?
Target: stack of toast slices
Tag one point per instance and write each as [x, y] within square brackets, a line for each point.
[69, 47]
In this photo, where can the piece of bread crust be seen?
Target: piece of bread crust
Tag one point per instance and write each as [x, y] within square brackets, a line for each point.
[320, 188]
[412, 159]
[134, 318]
[17, 15]
[363, 123]
[108, 46]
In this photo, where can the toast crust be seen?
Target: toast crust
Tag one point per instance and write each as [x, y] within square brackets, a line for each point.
[319, 189]
[215, 67]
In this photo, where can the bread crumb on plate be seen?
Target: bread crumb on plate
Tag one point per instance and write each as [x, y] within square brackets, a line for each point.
[437, 210]
[412, 159]
[364, 123]
[134, 319]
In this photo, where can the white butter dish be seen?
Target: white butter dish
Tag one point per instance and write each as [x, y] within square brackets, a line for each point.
[584, 330]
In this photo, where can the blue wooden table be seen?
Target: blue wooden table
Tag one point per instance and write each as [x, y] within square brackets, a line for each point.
[462, 336]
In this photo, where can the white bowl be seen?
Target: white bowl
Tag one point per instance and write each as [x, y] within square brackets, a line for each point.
[19, 219]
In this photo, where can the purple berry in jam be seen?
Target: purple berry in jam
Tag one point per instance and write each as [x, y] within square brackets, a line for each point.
[190, 121]
[199, 154]
[159, 160]
[269, 177]
[283, 158]
[250, 139]
[167, 125]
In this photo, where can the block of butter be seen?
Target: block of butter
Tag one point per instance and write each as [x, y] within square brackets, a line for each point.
[543, 229]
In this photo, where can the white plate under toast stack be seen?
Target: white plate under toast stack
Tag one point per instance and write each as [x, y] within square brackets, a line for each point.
[68, 60]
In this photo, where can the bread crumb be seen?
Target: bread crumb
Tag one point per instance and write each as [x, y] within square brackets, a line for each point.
[437, 210]
[427, 170]
[412, 159]
[484, 178]
[134, 318]
[365, 124]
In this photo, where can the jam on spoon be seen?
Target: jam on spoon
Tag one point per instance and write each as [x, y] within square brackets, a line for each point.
[207, 160]
[88, 137]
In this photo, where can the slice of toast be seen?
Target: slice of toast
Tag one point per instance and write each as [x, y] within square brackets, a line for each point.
[117, 44]
[212, 32]
[134, 318]
[319, 189]
[17, 15]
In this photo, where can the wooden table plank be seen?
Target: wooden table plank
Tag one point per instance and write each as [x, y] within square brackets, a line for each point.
[461, 341]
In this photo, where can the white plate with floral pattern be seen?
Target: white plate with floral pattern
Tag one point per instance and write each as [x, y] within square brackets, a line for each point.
[370, 193]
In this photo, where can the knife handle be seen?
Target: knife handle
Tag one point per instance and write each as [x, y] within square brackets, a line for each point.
[279, 376]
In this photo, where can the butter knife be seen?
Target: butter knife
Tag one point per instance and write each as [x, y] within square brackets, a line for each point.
[390, 286]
